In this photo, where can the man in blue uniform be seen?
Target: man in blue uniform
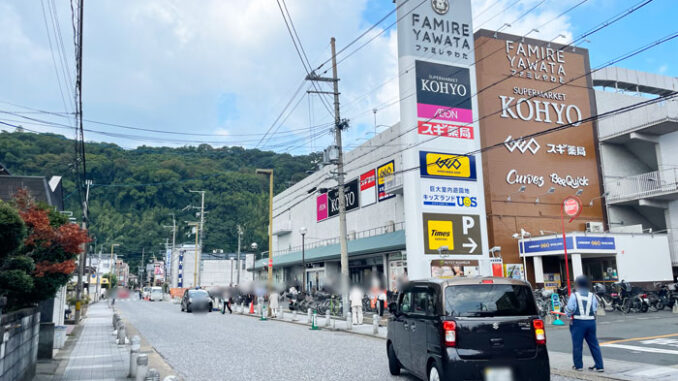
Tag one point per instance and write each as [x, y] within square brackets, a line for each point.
[581, 308]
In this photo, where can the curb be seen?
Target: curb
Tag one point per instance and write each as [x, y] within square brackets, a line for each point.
[583, 375]
[322, 328]
[155, 359]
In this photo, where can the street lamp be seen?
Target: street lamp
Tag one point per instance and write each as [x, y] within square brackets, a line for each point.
[303, 258]
[269, 173]
[254, 246]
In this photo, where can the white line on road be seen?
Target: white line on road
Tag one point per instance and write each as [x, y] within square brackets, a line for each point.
[641, 349]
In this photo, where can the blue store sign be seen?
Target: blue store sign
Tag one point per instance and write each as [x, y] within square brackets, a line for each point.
[550, 244]
[595, 243]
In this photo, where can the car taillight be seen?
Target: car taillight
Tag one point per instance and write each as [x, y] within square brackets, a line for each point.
[450, 333]
[539, 333]
[487, 281]
[643, 296]
[614, 294]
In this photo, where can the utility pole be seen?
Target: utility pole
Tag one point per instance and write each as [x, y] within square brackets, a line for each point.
[142, 267]
[196, 279]
[339, 125]
[98, 277]
[168, 266]
[83, 255]
[240, 232]
[269, 172]
[202, 226]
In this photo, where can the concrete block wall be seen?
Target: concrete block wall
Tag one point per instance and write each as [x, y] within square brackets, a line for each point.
[20, 332]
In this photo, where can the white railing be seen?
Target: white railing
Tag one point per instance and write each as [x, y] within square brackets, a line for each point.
[637, 120]
[390, 228]
[643, 185]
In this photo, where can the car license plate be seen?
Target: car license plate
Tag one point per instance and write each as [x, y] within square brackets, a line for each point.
[498, 374]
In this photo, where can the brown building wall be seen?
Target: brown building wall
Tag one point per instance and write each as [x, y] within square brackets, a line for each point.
[500, 73]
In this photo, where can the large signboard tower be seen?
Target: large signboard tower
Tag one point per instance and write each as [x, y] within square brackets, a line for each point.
[445, 221]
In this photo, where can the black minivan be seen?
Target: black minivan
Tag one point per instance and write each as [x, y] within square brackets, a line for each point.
[478, 328]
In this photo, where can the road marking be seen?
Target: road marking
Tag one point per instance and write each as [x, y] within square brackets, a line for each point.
[638, 339]
[642, 349]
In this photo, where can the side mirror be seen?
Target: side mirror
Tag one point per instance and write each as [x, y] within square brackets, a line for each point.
[393, 308]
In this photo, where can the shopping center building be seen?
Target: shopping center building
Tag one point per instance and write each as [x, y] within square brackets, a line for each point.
[475, 173]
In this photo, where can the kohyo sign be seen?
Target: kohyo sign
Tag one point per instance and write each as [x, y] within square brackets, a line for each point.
[443, 92]
[350, 194]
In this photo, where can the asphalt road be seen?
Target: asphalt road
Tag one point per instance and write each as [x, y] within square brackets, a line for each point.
[649, 338]
[211, 346]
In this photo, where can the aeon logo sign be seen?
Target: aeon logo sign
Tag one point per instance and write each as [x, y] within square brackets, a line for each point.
[521, 145]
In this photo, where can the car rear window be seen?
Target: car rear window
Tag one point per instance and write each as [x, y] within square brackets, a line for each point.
[481, 300]
[197, 293]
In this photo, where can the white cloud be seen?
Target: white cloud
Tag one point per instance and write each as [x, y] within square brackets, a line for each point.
[166, 64]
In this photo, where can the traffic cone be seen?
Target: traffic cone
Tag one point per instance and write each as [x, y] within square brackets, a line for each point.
[251, 308]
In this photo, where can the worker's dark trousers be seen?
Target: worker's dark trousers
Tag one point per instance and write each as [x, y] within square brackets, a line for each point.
[585, 330]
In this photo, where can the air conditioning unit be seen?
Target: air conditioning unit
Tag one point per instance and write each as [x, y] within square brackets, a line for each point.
[594, 227]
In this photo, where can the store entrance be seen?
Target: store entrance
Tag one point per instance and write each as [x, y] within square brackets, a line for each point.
[601, 269]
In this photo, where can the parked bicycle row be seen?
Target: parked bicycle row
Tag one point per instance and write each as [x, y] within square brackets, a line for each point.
[619, 296]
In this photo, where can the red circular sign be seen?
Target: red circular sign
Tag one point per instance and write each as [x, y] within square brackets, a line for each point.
[572, 206]
[270, 262]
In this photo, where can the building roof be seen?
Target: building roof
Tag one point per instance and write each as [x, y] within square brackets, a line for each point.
[375, 244]
[41, 189]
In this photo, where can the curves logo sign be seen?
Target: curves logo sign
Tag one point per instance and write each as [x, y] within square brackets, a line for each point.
[447, 166]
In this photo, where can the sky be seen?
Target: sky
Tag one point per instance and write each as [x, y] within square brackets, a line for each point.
[224, 70]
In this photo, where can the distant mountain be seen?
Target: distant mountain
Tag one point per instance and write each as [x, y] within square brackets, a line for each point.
[135, 191]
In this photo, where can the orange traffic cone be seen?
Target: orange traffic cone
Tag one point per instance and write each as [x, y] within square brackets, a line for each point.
[251, 308]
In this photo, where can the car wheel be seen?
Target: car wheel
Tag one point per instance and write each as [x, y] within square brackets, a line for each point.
[182, 308]
[188, 308]
[434, 373]
[210, 308]
[393, 363]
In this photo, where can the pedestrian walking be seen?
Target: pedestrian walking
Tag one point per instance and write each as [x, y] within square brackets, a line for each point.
[357, 305]
[581, 308]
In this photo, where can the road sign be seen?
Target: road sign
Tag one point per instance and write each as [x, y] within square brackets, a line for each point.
[452, 234]
[270, 262]
[572, 206]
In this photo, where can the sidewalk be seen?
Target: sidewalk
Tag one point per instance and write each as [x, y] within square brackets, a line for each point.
[94, 355]
[561, 363]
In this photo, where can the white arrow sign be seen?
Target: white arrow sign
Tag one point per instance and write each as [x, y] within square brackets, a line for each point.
[472, 244]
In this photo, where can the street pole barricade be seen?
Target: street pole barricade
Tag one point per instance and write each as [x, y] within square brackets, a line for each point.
[152, 375]
[349, 321]
[294, 315]
[675, 307]
[133, 354]
[142, 367]
[314, 321]
[122, 334]
[262, 310]
[328, 317]
[308, 318]
[375, 324]
[281, 313]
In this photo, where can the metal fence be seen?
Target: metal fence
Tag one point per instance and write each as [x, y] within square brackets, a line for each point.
[642, 185]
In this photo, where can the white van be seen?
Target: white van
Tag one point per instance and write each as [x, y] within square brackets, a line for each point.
[156, 294]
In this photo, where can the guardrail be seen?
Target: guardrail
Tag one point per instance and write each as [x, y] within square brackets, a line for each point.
[643, 185]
